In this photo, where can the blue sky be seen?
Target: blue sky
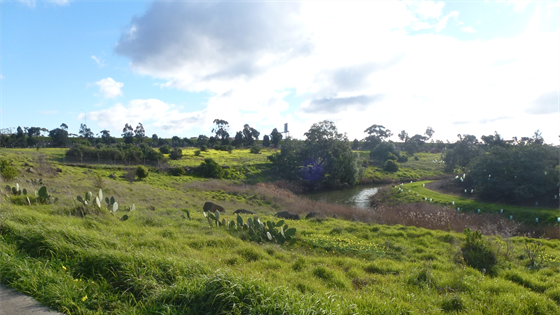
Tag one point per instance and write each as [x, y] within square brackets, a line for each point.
[460, 67]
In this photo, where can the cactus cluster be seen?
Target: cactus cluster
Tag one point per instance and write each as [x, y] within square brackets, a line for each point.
[41, 196]
[254, 229]
[90, 205]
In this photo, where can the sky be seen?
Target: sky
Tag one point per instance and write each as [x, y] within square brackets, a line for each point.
[460, 67]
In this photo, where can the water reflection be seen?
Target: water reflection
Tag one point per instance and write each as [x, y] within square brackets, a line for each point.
[355, 196]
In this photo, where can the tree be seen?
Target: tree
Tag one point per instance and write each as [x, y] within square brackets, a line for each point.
[176, 141]
[64, 126]
[139, 133]
[324, 158]
[376, 134]
[176, 154]
[128, 134]
[493, 140]
[33, 131]
[86, 132]
[221, 130]
[429, 132]
[59, 137]
[155, 139]
[461, 153]
[209, 168]
[142, 172]
[537, 137]
[238, 139]
[202, 140]
[165, 149]
[519, 174]
[403, 136]
[355, 144]
[266, 141]
[275, 137]
[250, 134]
[381, 151]
[106, 137]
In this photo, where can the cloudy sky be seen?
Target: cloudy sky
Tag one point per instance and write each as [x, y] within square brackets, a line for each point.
[460, 67]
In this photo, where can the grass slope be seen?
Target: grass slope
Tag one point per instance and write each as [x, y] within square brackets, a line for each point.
[160, 262]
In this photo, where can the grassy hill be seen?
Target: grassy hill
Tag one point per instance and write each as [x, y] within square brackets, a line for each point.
[167, 258]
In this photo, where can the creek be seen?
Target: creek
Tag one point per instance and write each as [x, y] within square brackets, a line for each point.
[357, 196]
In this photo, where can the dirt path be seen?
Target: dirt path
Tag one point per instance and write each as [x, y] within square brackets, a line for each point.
[15, 303]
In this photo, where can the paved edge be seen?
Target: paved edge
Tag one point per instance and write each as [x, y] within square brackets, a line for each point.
[13, 302]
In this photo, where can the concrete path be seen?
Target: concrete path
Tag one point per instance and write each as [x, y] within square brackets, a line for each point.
[15, 303]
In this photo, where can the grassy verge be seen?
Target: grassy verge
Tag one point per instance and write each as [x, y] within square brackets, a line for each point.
[417, 192]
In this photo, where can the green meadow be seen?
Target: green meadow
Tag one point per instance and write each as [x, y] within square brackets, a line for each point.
[167, 258]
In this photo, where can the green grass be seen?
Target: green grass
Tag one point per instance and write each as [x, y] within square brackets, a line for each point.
[424, 168]
[160, 262]
[415, 192]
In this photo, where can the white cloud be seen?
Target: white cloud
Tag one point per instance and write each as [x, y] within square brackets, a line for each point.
[427, 9]
[354, 63]
[468, 29]
[150, 112]
[110, 88]
[100, 63]
[33, 3]
[1, 77]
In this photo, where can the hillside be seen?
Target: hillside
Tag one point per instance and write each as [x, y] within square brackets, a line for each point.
[167, 259]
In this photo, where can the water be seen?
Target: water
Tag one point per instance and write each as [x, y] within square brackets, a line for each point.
[357, 196]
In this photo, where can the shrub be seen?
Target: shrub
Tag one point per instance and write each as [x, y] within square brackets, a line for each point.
[176, 154]
[197, 153]
[165, 149]
[477, 253]
[7, 170]
[142, 172]
[255, 149]
[177, 171]
[416, 158]
[381, 151]
[391, 166]
[203, 148]
[391, 156]
[402, 159]
[209, 168]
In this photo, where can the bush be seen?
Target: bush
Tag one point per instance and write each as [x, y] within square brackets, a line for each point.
[197, 153]
[165, 149]
[7, 170]
[403, 159]
[477, 253]
[382, 150]
[392, 157]
[177, 171]
[209, 168]
[391, 166]
[176, 154]
[416, 158]
[255, 149]
[142, 172]
[203, 148]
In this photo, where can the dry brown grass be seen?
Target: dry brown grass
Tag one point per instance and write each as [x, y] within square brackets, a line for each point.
[423, 215]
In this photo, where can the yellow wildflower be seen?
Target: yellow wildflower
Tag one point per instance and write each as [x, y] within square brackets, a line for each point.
[63, 268]
[84, 298]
